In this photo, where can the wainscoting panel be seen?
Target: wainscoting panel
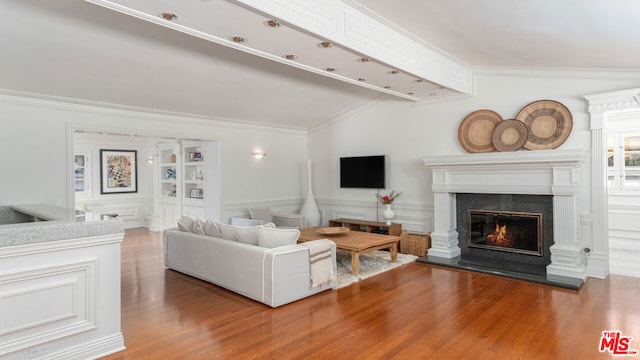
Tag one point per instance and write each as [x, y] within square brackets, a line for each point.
[61, 299]
[347, 214]
[130, 211]
[241, 209]
[414, 217]
[624, 239]
[46, 303]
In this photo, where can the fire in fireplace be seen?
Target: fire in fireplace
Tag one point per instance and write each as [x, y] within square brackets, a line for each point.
[510, 231]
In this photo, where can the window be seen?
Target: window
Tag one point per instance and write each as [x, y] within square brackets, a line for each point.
[623, 161]
[81, 174]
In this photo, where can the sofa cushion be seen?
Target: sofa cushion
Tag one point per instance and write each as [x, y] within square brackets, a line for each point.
[273, 237]
[186, 224]
[211, 229]
[227, 231]
[198, 227]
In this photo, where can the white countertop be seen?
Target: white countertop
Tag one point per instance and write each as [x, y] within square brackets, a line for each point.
[61, 223]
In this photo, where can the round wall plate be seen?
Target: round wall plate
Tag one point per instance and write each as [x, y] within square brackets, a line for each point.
[549, 124]
[510, 135]
[475, 132]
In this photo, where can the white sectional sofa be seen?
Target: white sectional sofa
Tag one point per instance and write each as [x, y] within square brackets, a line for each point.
[274, 276]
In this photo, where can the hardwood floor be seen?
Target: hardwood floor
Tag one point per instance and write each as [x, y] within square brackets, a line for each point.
[415, 311]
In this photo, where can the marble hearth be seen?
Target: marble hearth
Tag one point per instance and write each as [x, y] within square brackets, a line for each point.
[543, 172]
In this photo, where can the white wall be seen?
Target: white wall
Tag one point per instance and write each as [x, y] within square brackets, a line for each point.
[132, 208]
[34, 137]
[33, 155]
[406, 132]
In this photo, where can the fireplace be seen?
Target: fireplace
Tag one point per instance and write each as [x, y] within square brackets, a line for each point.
[544, 176]
[510, 231]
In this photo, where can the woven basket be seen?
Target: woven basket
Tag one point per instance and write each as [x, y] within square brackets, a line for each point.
[416, 244]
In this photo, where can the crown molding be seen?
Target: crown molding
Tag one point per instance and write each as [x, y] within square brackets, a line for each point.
[614, 101]
[138, 113]
[579, 73]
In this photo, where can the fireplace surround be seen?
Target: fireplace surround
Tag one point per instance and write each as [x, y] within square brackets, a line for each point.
[554, 173]
[527, 222]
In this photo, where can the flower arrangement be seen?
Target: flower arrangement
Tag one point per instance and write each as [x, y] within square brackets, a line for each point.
[388, 199]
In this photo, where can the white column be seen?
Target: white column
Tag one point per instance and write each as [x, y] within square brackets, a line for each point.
[599, 255]
[156, 223]
[567, 254]
[444, 238]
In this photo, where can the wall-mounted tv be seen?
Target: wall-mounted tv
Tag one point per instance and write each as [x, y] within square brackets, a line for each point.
[362, 172]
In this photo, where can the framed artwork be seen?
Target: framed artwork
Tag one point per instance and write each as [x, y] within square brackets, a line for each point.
[118, 171]
[195, 193]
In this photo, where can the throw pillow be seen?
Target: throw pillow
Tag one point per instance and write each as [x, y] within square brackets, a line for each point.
[227, 231]
[272, 238]
[198, 227]
[249, 234]
[288, 221]
[262, 214]
[185, 224]
[211, 229]
[238, 221]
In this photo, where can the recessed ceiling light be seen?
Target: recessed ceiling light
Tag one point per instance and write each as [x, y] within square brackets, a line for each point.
[410, 93]
[364, 59]
[272, 23]
[419, 80]
[387, 87]
[330, 69]
[362, 79]
[238, 39]
[290, 57]
[171, 16]
[394, 72]
[325, 44]
[441, 87]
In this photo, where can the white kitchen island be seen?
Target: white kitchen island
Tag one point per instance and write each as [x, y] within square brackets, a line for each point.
[59, 283]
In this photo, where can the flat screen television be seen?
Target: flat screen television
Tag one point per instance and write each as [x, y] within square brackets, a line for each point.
[362, 172]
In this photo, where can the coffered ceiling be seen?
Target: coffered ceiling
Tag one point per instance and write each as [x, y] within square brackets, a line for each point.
[222, 59]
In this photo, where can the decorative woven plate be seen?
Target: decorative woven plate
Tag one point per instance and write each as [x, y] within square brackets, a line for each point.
[510, 135]
[334, 230]
[476, 130]
[549, 124]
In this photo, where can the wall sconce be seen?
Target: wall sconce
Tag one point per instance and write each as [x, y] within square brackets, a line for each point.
[259, 154]
[150, 160]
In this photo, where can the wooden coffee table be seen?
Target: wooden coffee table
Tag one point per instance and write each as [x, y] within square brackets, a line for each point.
[356, 242]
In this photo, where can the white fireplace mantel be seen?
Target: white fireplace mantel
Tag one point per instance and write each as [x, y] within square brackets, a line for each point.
[542, 172]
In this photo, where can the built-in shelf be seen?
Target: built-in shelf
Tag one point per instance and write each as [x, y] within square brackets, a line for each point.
[182, 181]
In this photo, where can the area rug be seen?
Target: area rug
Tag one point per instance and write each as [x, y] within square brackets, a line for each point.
[371, 264]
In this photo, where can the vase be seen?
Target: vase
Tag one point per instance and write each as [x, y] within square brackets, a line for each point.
[388, 213]
[310, 208]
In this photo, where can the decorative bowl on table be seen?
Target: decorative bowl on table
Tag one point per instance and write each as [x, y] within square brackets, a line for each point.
[334, 230]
